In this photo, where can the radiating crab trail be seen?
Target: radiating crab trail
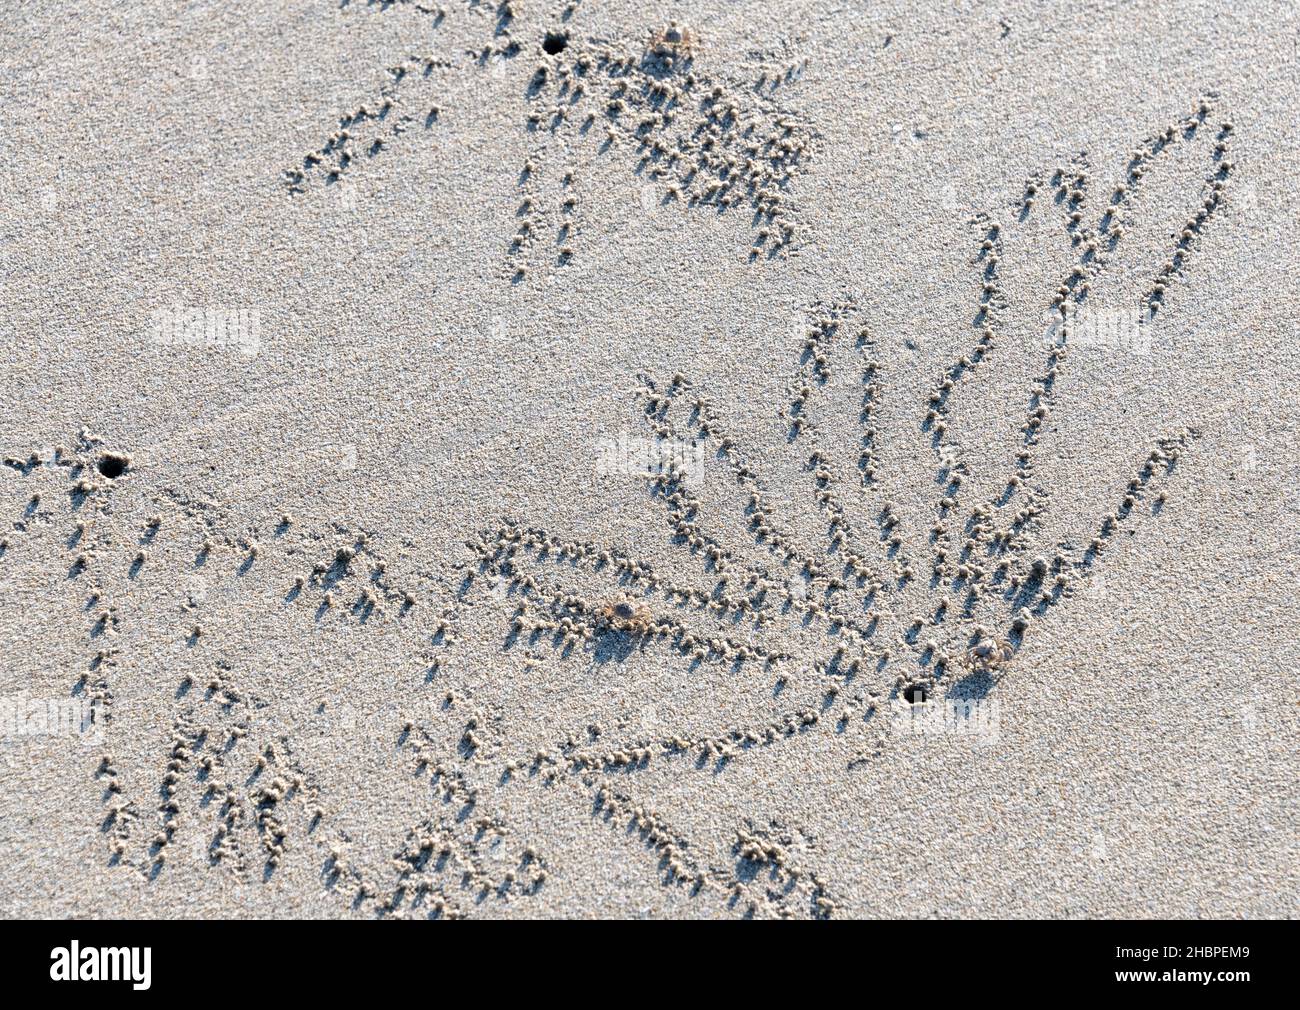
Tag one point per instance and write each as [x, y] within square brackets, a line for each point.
[924, 653]
[991, 321]
[811, 378]
[497, 553]
[860, 650]
[575, 623]
[797, 891]
[779, 543]
[981, 638]
[662, 613]
[700, 141]
[684, 510]
[1007, 544]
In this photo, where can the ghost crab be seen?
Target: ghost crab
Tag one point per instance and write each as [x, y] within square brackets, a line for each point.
[624, 614]
[989, 655]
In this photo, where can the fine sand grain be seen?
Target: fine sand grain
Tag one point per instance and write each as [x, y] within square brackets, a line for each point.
[682, 460]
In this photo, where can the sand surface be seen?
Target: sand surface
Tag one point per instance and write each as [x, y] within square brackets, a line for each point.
[672, 460]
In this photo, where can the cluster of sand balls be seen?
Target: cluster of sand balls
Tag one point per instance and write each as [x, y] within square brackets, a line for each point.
[1141, 159]
[465, 842]
[761, 849]
[179, 758]
[785, 882]
[705, 143]
[432, 850]
[667, 845]
[368, 130]
[814, 372]
[1007, 541]
[121, 812]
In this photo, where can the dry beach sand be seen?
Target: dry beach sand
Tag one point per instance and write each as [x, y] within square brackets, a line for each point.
[681, 460]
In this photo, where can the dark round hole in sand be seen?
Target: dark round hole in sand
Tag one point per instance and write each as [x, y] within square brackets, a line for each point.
[915, 692]
[112, 465]
[554, 43]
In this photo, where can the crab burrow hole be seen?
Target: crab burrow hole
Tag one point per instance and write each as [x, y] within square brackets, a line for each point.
[113, 464]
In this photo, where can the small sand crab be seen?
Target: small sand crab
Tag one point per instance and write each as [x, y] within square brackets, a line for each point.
[623, 614]
[675, 41]
[989, 654]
